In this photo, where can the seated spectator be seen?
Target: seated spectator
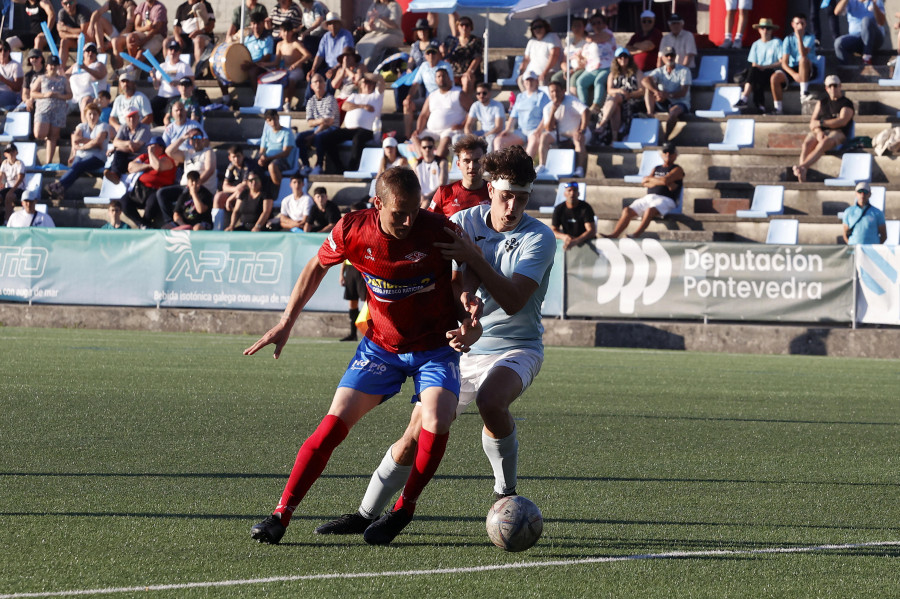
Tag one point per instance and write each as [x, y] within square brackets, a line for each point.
[323, 214]
[285, 11]
[663, 192]
[192, 99]
[109, 34]
[291, 55]
[157, 171]
[179, 125]
[423, 84]
[542, 53]
[89, 145]
[51, 93]
[471, 190]
[390, 157]
[234, 182]
[564, 121]
[486, 116]
[38, 67]
[431, 170]
[29, 216]
[104, 100]
[192, 209]
[624, 98]
[275, 147]
[312, 28]
[668, 89]
[128, 100]
[443, 114]
[261, 45]
[166, 91]
[71, 21]
[346, 78]
[423, 41]
[383, 33]
[360, 113]
[128, 143]
[321, 117]
[829, 126]
[294, 208]
[644, 44]
[12, 179]
[88, 79]
[149, 32]
[798, 61]
[115, 217]
[865, 33]
[192, 150]
[573, 220]
[598, 54]
[36, 12]
[863, 222]
[743, 8]
[331, 46]
[11, 76]
[465, 53]
[764, 59]
[193, 27]
[524, 116]
[238, 30]
[572, 63]
[683, 42]
[252, 208]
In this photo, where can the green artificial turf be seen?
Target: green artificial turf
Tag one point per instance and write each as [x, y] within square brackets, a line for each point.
[139, 459]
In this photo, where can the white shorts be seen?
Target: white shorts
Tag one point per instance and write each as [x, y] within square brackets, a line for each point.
[663, 204]
[453, 134]
[475, 368]
[738, 4]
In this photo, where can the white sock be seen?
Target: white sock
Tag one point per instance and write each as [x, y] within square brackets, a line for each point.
[387, 480]
[778, 105]
[804, 88]
[504, 457]
[218, 218]
[728, 36]
[745, 97]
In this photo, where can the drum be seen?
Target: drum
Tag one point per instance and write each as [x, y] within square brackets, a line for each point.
[226, 61]
[279, 76]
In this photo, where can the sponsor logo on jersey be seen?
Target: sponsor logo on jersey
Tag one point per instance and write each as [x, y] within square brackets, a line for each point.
[415, 256]
[368, 255]
[392, 290]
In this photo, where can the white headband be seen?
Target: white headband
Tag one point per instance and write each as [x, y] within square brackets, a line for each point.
[507, 185]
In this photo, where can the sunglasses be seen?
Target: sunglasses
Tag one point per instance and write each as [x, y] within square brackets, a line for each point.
[833, 85]
[427, 147]
[481, 93]
[647, 20]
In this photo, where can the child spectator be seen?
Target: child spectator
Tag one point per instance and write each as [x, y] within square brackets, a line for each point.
[167, 90]
[115, 217]
[275, 146]
[12, 179]
[323, 215]
[233, 184]
[294, 208]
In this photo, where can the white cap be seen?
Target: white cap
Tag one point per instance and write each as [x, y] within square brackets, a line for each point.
[648, 14]
[332, 16]
[389, 142]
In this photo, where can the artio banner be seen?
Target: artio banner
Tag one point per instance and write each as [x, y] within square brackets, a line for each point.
[878, 300]
[647, 278]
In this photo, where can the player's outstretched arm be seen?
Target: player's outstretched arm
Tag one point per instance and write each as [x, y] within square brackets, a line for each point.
[306, 286]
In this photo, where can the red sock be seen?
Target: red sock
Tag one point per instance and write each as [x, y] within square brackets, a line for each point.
[428, 457]
[311, 461]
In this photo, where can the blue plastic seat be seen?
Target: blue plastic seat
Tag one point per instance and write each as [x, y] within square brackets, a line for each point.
[713, 70]
[650, 159]
[517, 66]
[893, 232]
[767, 200]
[855, 167]
[108, 191]
[560, 163]
[724, 99]
[33, 183]
[643, 132]
[368, 164]
[783, 231]
[738, 134]
[268, 97]
[16, 126]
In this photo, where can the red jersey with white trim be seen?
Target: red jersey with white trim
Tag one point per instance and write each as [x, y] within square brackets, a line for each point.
[450, 199]
[411, 303]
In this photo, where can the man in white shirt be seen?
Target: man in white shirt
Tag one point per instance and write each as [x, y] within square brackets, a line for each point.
[431, 171]
[486, 116]
[443, 114]
[362, 110]
[424, 78]
[680, 39]
[29, 216]
[127, 100]
[668, 89]
[565, 119]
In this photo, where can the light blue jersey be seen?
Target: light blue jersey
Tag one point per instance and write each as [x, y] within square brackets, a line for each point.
[527, 250]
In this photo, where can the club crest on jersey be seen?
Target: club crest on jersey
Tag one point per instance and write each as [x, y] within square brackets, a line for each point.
[511, 244]
[415, 256]
[393, 290]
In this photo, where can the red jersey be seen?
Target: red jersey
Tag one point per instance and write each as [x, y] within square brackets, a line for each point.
[410, 300]
[450, 199]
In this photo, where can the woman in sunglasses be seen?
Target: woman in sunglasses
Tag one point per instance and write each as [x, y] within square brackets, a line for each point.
[542, 53]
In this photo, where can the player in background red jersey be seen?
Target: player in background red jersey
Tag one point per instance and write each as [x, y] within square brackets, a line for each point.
[471, 190]
[414, 311]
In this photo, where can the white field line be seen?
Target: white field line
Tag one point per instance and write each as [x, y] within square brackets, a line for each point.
[467, 570]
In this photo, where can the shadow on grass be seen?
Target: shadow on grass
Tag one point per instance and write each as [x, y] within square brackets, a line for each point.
[732, 419]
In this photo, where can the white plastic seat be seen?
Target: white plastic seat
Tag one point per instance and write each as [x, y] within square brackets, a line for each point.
[893, 81]
[368, 164]
[738, 134]
[185, 58]
[27, 153]
[854, 168]
[650, 159]
[783, 231]
[643, 132]
[33, 183]
[16, 57]
[268, 97]
[767, 200]
[560, 163]
[893, 232]
[517, 67]
[713, 70]
[876, 199]
[724, 99]
[372, 193]
[108, 191]
[16, 126]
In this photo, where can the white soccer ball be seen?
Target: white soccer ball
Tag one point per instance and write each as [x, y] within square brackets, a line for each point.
[514, 523]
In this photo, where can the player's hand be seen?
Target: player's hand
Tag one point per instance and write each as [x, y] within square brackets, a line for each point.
[277, 335]
[462, 338]
[461, 249]
[473, 306]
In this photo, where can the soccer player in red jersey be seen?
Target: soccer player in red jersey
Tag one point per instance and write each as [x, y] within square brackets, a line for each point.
[471, 190]
[414, 311]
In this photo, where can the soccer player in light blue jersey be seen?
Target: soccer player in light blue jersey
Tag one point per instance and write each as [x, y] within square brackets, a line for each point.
[508, 260]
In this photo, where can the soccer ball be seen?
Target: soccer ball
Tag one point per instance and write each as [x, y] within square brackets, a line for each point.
[514, 523]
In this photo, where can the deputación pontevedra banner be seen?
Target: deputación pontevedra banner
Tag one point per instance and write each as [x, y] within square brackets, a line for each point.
[647, 278]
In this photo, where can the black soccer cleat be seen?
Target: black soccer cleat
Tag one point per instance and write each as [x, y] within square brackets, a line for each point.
[269, 530]
[383, 530]
[347, 524]
[499, 496]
